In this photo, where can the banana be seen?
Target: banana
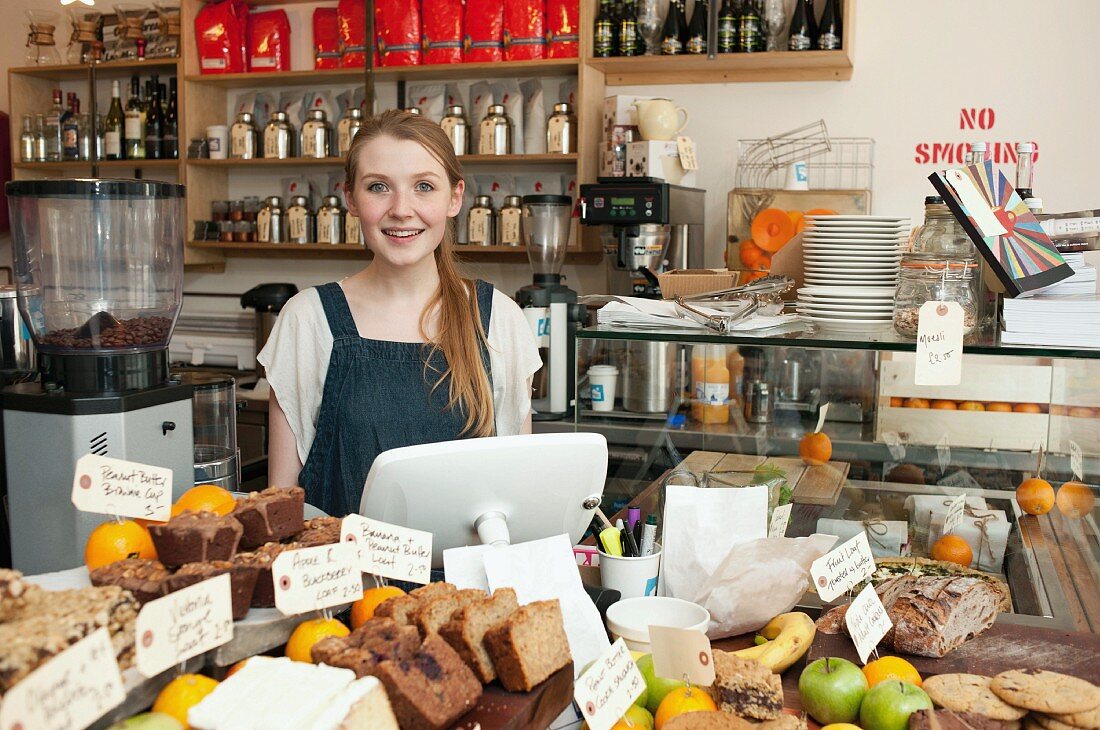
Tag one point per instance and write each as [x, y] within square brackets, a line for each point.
[789, 637]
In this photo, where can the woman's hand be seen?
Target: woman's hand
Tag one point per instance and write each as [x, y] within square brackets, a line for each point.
[283, 464]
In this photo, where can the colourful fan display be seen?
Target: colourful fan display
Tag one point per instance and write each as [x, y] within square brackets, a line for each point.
[1023, 257]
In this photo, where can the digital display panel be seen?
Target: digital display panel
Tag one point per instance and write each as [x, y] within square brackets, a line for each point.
[623, 201]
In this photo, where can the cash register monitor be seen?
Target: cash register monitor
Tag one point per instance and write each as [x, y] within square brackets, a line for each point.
[497, 490]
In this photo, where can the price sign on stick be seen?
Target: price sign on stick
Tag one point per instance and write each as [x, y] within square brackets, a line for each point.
[821, 416]
[172, 629]
[682, 653]
[609, 687]
[391, 551]
[116, 487]
[835, 572]
[319, 577]
[867, 622]
[781, 516]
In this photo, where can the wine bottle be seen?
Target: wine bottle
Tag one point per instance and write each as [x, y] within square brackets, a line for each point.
[603, 44]
[70, 130]
[697, 28]
[630, 41]
[811, 19]
[134, 126]
[751, 37]
[52, 128]
[799, 38]
[829, 30]
[170, 147]
[727, 28]
[113, 126]
[672, 43]
[154, 122]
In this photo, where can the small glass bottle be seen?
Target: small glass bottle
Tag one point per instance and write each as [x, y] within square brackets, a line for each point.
[316, 135]
[480, 228]
[457, 128]
[976, 154]
[88, 138]
[301, 222]
[561, 130]
[279, 137]
[225, 231]
[26, 140]
[931, 277]
[40, 138]
[495, 132]
[348, 126]
[330, 220]
[243, 138]
[219, 210]
[511, 221]
[1024, 169]
[242, 231]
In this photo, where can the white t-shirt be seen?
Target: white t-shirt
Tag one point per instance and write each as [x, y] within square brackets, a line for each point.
[297, 353]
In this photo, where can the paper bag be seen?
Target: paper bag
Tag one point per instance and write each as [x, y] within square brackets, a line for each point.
[985, 531]
[887, 538]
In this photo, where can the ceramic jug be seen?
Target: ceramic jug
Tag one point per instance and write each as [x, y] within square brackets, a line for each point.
[658, 119]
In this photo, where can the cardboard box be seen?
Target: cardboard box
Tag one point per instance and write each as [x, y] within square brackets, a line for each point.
[611, 165]
[686, 282]
[660, 160]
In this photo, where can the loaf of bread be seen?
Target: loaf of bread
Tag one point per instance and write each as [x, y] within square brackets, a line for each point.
[466, 631]
[431, 689]
[432, 614]
[529, 645]
[939, 614]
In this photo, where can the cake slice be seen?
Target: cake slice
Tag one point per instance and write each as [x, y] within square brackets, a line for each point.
[434, 613]
[146, 579]
[529, 645]
[362, 705]
[402, 609]
[374, 642]
[195, 537]
[466, 631]
[270, 515]
[319, 531]
[242, 581]
[431, 689]
[263, 595]
[746, 688]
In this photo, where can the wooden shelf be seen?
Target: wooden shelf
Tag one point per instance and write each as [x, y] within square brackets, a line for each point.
[282, 78]
[103, 164]
[270, 162]
[506, 160]
[506, 69]
[352, 251]
[46, 166]
[108, 69]
[726, 68]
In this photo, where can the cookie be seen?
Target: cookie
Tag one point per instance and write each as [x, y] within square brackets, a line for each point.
[1084, 720]
[786, 721]
[1043, 691]
[969, 693]
[949, 720]
[708, 720]
[1053, 723]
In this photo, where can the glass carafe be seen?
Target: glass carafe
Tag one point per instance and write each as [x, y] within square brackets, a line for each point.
[85, 44]
[167, 43]
[41, 46]
[130, 40]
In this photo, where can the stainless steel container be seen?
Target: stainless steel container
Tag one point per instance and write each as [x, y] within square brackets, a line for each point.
[649, 376]
[759, 402]
[243, 137]
[279, 137]
[346, 129]
[495, 132]
[301, 222]
[214, 419]
[481, 222]
[457, 128]
[561, 130]
[271, 221]
[414, 110]
[330, 221]
[316, 135]
[511, 222]
[353, 233]
[16, 347]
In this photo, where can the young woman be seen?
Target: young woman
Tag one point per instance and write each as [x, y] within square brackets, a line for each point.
[404, 352]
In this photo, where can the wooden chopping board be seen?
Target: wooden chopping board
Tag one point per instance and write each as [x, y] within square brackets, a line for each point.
[501, 710]
[1001, 647]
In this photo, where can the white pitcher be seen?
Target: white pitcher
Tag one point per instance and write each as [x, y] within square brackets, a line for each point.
[658, 118]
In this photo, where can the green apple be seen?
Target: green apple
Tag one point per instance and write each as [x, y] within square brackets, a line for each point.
[148, 721]
[638, 718]
[832, 690]
[888, 705]
[657, 687]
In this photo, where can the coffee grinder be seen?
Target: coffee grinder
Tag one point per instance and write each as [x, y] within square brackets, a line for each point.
[648, 227]
[550, 307]
[99, 271]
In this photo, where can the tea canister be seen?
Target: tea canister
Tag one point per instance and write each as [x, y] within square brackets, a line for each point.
[495, 132]
[330, 221]
[457, 129]
[271, 222]
[316, 135]
[561, 130]
[480, 222]
[279, 137]
[347, 128]
[511, 217]
[301, 222]
[353, 233]
[243, 137]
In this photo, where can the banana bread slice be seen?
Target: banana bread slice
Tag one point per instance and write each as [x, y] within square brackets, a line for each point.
[466, 631]
[434, 613]
[432, 688]
[529, 645]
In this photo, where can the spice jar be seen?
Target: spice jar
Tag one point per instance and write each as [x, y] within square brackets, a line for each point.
[347, 128]
[270, 222]
[316, 135]
[561, 130]
[330, 220]
[243, 137]
[927, 278]
[480, 222]
[251, 207]
[457, 129]
[279, 137]
[941, 234]
[301, 223]
[241, 231]
[495, 132]
[236, 210]
[225, 231]
[219, 210]
[511, 216]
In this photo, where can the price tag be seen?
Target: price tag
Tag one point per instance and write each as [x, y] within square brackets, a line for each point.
[183, 624]
[609, 687]
[781, 515]
[72, 690]
[1076, 461]
[956, 511]
[975, 203]
[315, 578]
[939, 344]
[821, 418]
[835, 572]
[867, 622]
[943, 454]
[686, 148]
[125, 488]
[389, 550]
[682, 654]
[894, 444]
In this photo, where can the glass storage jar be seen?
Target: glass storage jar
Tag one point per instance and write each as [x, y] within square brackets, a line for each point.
[941, 234]
[928, 277]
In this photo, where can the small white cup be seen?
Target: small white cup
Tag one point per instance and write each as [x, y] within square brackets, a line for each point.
[602, 379]
[797, 176]
[631, 577]
[217, 140]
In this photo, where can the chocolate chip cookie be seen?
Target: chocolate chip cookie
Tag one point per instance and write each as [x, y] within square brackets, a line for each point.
[1043, 691]
[969, 693]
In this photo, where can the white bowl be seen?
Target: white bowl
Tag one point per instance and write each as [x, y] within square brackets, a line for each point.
[632, 617]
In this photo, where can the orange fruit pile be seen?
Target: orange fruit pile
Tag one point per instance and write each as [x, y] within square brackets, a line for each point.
[815, 449]
[116, 540]
[1035, 496]
[183, 693]
[891, 667]
[952, 549]
[300, 646]
[363, 609]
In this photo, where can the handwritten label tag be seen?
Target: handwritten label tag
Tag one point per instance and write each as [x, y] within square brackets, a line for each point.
[72, 690]
[956, 511]
[183, 624]
[975, 203]
[835, 572]
[116, 487]
[317, 577]
[389, 550]
[867, 622]
[608, 688]
[1076, 461]
[686, 148]
[939, 344]
[894, 444]
[682, 654]
[781, 515]
[943, 454]
[821, 415]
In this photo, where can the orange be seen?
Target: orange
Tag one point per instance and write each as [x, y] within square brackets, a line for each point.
[681, 700]
[1027, 408]
[896, 402]
[235, 668]
[1081, 412]
[363, 609]
[771, 229]
[1075, 500]
[798, 219]
[1035, 496]
[952, 549]
[113, 541]
[1058, 410]
[205, 498]
[917, 403]
[998, 407]
[820, 211]
[753, 256]
[971, 405]
[183, 693]
[945, 405]
[815, 449]
[308, 633]
[891, 667]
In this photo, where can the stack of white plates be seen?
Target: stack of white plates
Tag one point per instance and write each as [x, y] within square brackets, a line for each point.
[847, 308]
[853, 250]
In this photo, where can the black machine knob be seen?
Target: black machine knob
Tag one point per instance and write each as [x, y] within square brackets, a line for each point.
[166, 427]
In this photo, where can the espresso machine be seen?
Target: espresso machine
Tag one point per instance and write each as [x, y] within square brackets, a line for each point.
[550, 306]
[99, 273]
[648, 227]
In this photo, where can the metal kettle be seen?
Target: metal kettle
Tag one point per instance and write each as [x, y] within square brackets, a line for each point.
[268, 301]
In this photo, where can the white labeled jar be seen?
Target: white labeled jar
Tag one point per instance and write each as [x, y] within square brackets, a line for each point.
[495, 132]
[330, 221]
[480, 222]
[561, 130]
[346, 129]
[301, 223]
[243, 137]
[511, 221]
[316, 135]
[279, 137]
[270, 221]
[457, 128]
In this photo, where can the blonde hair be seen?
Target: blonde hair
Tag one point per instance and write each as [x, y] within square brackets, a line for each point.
[460, 336]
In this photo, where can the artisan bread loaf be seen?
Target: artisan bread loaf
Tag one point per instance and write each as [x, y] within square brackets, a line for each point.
[466, 631]
[937, 615]
[529, 645]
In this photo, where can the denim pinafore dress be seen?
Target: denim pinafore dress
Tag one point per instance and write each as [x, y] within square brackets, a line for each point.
[376, 398]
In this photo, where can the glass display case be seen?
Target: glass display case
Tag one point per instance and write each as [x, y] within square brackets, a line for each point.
[741, 410]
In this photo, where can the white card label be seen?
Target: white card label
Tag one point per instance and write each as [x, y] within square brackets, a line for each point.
[835, 572]
[939, 344]
[389, 550]
[183, 624]
[317, 577]
[821, 415]
[867, 622]
[686, 149]
[976, 206]
[124, 488]
[72, 690]
[609, 687]
[956, 511]
[683, 654]
[893, 443]
[1076, 461]
[781, 515]
[943, 454]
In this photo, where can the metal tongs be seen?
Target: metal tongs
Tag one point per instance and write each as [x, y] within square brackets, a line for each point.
[763, 296]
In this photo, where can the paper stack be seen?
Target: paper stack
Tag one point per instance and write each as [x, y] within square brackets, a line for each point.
[1083, 280]
[1067, 321]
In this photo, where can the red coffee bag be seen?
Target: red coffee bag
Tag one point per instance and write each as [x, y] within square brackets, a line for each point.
[484, 31]
[221, 30]
[441, 31]
[524, 29]
[397, 30]
[352, 17]
[269, 41]
[562, 22]
[326, 38]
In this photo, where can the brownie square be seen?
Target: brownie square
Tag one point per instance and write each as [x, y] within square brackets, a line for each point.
[261, 559]
[320, 531]
[196, 537]
[242, 581]
[270, 515]
[146, 579]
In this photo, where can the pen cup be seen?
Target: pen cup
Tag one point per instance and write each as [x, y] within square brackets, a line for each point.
[631, 577]
[217, 137]
[603, 379]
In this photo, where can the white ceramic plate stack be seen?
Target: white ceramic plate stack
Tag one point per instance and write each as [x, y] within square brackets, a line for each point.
[850, 268]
